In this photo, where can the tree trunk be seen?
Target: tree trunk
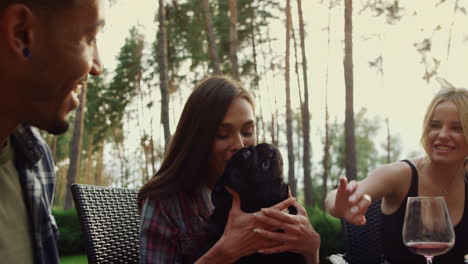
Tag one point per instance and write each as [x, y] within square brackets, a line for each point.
[233, 46]
[99, 169]
[76, 148]
[326, 147]
[153, 159]
[449, 43]
[289, 129]
[389, 139]
[274, 139]
[350, 141]
[259, 120]
[146, 149]
[120, 151]
[54, 148]
[326, 156]
[89, 161]
[212, 49]
[306, 116]
[296, 67]
[163, 76]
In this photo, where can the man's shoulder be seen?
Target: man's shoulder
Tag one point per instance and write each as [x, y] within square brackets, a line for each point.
[25, 134]
[30, 146]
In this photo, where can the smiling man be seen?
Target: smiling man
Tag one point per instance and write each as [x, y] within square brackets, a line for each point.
[47, 49]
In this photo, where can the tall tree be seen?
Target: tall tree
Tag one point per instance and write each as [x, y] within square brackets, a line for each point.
[389, 141]
[76, 147]
[163, 76]
[121, 93]
[326, 145]
[289, 129]
[212, 49]
[449, 43]
[350, 141]
[305, 116]
[256, 78]
[233, 43]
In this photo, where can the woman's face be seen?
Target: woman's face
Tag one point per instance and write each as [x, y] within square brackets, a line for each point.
[445, 139]
[237, 130]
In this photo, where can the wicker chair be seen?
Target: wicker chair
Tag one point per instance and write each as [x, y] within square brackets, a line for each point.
[363, 244]
[109, 221]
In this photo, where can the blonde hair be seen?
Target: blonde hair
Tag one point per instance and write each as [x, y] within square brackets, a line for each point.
[458, 96]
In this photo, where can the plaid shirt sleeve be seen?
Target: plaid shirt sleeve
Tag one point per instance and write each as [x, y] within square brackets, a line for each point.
[158, 235]
[36, 169]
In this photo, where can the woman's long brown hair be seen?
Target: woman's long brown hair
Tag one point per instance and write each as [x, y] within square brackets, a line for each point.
[186, 164]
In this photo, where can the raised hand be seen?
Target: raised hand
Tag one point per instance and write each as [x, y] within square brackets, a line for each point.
[350, 203]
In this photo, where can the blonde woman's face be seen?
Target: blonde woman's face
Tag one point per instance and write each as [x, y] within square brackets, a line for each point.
[445, 140]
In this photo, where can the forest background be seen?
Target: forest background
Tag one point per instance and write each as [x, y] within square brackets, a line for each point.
[340, 86]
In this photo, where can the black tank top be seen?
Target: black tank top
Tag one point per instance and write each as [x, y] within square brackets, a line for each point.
[396, 252]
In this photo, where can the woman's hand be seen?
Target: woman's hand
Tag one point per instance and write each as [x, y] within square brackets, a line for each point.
[350, 204]
[239, 238]
[298, 236]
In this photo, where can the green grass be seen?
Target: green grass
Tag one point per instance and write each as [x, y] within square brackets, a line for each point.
[79, 259]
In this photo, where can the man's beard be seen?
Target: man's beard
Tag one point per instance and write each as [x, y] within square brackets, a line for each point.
[58, 128]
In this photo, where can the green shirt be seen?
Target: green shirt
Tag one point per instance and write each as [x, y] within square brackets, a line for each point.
[15, 238]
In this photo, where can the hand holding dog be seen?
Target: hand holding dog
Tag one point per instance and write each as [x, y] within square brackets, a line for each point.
[239, 238]
[298, 236]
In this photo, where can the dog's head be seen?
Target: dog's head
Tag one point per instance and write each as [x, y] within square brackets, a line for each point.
[256, 173]
[253, 166]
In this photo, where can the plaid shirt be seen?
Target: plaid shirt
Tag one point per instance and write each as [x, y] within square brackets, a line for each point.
[33, 161]
[173, 230]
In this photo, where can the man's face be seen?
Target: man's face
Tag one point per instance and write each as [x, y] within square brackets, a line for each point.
[63, 53]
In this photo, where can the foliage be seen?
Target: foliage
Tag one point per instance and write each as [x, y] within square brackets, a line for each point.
[95, 119]
[329, 229]
[392, 10]
[366, 148]
[79, 259]
[62, 149]
[126, 81]
[70, 239]
[187, 40]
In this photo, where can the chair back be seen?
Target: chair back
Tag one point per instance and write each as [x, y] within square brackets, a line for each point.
[363, 244]
[109, 221]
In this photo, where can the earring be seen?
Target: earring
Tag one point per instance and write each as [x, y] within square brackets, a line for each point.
[26, 53]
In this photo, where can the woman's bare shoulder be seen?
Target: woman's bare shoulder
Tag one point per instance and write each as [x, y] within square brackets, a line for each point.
[394, 170]
[389, 181]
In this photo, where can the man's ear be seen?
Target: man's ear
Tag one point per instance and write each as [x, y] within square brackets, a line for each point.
[17, 28]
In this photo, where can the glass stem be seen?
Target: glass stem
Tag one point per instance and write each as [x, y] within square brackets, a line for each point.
[429, 260]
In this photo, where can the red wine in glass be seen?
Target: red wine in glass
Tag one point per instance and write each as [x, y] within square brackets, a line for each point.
[429, 248]
[428, 229]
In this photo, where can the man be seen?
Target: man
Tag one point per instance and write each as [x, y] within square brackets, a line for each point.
[47, 48]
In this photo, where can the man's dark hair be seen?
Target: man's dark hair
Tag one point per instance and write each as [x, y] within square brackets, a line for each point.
[39, 5]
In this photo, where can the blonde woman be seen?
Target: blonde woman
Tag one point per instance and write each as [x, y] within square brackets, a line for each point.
[442, 172]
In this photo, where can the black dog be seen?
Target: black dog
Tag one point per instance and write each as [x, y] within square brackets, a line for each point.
[256, 173]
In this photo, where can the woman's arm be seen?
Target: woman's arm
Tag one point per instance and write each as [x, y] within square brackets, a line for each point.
[351, 200]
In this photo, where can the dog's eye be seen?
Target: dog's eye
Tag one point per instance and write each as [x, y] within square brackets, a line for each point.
[266, 164]
[246, 154]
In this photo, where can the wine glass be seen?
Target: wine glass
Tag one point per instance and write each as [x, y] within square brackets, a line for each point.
[427, 229]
